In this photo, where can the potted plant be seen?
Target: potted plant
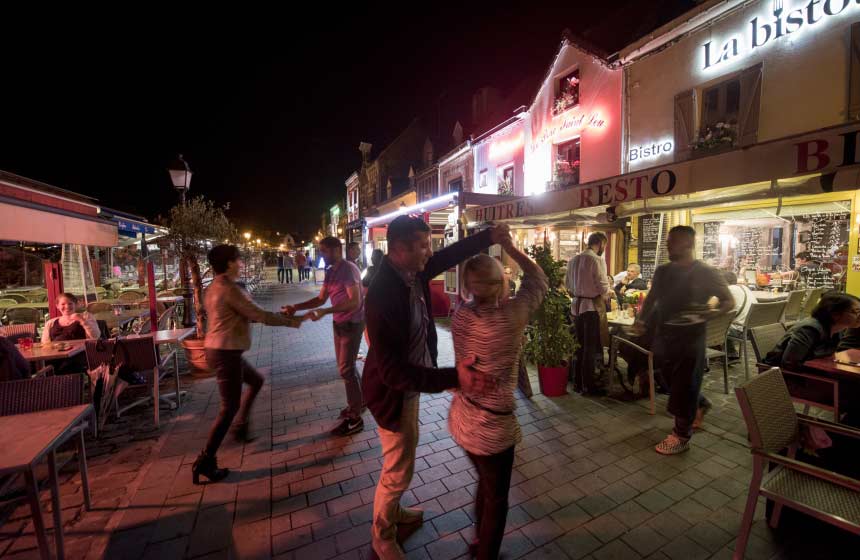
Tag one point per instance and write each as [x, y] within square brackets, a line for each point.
[193, 227]
[549, 342]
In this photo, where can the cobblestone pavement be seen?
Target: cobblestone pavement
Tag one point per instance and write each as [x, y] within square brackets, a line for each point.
[587, 482]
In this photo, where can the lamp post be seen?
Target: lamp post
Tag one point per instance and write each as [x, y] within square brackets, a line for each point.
[180, 175]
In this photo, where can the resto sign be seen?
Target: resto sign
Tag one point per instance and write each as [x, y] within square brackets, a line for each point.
[772, 25]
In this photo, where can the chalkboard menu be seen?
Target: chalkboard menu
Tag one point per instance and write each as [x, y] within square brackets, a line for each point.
[711, 242]
[756, 244]
[828, 233]
[569, 244]
[652, 243]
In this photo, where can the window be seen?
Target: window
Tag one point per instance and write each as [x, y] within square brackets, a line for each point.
[482, 179]
[567, 163]
[721, 103]
[506, 181]
[456, 185]
[567, 92]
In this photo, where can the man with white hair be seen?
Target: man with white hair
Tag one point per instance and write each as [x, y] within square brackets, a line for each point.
[632, 280]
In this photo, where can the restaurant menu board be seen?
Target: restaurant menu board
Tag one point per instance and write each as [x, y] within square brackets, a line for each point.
[828, 233]
[755, 244]
[651, 237]
[569, 244]
[711, 242]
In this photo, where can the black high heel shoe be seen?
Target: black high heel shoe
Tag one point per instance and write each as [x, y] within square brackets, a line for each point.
[207, 466]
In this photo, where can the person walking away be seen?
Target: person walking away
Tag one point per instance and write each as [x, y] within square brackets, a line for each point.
[282, 274]
[289, 264]
[229, 310]
[484, 425]
[588, 283]
[677, 309]
[401, 362]
[301, 262]
[342, 285]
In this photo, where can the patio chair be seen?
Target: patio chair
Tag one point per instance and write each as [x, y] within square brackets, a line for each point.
[37, 296]
[19, 298]
[18, 331]
[793, 307]
[6, 302]
[99, 306]
[763, 341]
[130, 297]
[774, 426]
[812, 297]
[613, 357]
[716, 333]
[760, 314]
[139, 355]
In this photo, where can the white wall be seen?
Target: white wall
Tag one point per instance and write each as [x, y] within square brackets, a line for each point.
[804, 74]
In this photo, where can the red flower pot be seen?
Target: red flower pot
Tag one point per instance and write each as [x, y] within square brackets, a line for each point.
[553, 380]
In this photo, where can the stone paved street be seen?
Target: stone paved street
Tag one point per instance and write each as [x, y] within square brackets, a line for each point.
[587, 482]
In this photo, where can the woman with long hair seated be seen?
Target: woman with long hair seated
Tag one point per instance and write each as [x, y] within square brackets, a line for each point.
[489, 331]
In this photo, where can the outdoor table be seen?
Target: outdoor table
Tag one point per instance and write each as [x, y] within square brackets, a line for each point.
[124, 318]
[40, 353]
[762, 296]
[170, 300]
[845, 365]
[23, 448]
[619, 321]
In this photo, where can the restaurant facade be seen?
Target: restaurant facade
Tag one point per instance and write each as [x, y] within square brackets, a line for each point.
[711, 136]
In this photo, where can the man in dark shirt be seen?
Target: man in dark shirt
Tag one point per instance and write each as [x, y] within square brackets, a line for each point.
[632, 281]
[677, 310]
[401, 361]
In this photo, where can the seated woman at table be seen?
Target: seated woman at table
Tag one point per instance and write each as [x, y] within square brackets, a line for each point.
[70, 325]
[819, 335]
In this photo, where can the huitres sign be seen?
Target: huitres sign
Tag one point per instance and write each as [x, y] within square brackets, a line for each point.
[781, 19]
[825, 151]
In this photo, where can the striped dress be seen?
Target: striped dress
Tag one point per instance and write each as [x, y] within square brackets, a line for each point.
[484, 424]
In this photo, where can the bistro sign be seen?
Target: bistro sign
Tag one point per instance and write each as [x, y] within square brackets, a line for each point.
[824, 152]
[779, 23]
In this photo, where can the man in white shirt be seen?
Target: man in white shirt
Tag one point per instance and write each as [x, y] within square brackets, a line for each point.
[588, 284]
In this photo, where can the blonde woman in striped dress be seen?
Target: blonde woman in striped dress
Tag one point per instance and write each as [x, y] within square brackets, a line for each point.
[489, 330]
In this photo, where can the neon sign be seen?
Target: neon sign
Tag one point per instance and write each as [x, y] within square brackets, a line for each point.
[503, 148]
[767, 28]
[650, 151]
[572, 123]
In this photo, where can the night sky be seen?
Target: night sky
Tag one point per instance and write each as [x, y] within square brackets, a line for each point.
[268, 108]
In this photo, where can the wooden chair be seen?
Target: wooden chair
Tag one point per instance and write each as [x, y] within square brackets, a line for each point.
[763, 341]
[774, 426]
[716, 336]
[760, 314]
[793, 308]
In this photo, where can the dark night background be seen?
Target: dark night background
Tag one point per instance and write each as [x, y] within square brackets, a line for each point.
[268, 108]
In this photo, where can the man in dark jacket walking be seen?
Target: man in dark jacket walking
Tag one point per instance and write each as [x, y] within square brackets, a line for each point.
[401, 362]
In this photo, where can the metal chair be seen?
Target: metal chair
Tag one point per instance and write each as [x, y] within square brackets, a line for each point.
[716, 334]
[130, 297]
[773, 427]
[812, 297]
[19, 298]
[760, 314]
[37, 296]
[24, 315]
[767, 337]
[20, 330]
[6, 302]
[793, 307]
[613, 357]
[139, 355]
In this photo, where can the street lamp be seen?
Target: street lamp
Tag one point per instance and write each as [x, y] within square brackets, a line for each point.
[180, 174]
[247, 235]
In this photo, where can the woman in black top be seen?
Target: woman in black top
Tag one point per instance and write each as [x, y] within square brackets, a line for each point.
[819, 335]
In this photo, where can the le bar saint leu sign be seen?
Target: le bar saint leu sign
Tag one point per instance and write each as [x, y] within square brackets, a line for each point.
[825, 151]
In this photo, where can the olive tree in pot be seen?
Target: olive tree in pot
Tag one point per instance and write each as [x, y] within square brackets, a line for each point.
[193, 227]
[549, 342]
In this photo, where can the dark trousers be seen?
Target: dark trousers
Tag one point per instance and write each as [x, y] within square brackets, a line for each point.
[231, 370]
[682, 351]
[588, 367]
[491, 500]
[289, 276]
[282, 273]
[347, 340]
